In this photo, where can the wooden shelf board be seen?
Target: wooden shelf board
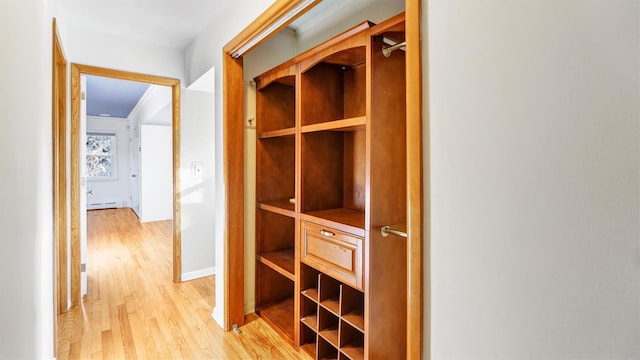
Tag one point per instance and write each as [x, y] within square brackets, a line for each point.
[355, 319]
[311, 321]
[277, 133]
[279, 316]
[311, 293]
[282, 207]
[281, 261]
[332, 305]
[353, 352]
[331, 335]
[309, 349]
[348, 220]
[350, 124]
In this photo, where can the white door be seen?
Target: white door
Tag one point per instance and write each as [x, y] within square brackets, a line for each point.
[83, 185]
[135, 168]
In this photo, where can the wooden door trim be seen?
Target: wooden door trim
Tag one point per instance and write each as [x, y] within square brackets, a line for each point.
[233, 166]
[59, 150]
[76, 71]
[59, 173]
[418, 345]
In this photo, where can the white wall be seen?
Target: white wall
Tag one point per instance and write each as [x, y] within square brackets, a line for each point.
[156, 173]
[153, 117]
[535, 178]
[118, 189]
[26, 307]
[197, 191]
[88, 47]
[203, 54]
[343, 15]
[154, 100]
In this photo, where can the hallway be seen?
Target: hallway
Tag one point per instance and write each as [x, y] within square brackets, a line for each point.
[133, 310]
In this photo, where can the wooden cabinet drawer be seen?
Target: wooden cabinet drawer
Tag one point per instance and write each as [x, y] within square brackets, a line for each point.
[333, 252]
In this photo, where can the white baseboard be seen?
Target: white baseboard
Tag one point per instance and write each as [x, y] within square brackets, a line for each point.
[218, 316]
[198, 274]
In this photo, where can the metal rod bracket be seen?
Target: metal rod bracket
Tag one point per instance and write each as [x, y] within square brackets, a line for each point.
[387, 230]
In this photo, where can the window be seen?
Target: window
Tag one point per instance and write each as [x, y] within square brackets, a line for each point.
[101, 156]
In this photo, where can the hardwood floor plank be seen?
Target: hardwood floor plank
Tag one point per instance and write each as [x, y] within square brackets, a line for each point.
[133, 309]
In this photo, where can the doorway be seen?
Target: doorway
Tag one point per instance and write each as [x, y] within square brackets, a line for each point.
[76, 168]
[127, 159]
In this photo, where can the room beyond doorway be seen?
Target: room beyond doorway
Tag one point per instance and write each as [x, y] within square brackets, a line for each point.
[76, 181]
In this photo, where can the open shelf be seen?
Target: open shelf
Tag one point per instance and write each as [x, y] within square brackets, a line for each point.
[309, 315]
[351, 342]
[328, 326]
[311, 294]
[276, 105]
[356, 319]
[277, 133]
[281, 261]
[275, 173]
[351, 124]
[280, 316]
[309, 349]
[326, 350]
[334, 175]
[274, 232]
[352, 307]
[353, 352]
[329, 295]
[282, 207]
[335, 87]
[311, 321]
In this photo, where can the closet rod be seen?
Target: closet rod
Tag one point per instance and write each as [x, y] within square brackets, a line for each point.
[386, 51]
[387, 230]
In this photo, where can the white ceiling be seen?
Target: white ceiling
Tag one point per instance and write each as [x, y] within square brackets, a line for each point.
[171, 23]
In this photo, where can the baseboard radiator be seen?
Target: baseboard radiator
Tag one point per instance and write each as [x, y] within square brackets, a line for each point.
[105, 205]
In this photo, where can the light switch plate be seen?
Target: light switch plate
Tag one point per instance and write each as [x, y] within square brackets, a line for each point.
[196, 169]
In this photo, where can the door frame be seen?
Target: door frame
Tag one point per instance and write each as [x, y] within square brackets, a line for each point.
[418, 331]
[59, 173]
[76, 71]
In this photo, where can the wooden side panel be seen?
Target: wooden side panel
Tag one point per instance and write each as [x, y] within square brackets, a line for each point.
[419, 235]
[386, 297]
[234, 175]
[388, 137]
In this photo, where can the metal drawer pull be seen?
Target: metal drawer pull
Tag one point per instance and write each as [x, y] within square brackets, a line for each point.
[386, 231]
[327, 233]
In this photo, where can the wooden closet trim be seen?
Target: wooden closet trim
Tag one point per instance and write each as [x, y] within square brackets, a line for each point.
[418, 334]
[76, 71]
[233, 112]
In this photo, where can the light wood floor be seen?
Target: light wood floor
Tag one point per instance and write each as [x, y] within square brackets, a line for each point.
[133, 310]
